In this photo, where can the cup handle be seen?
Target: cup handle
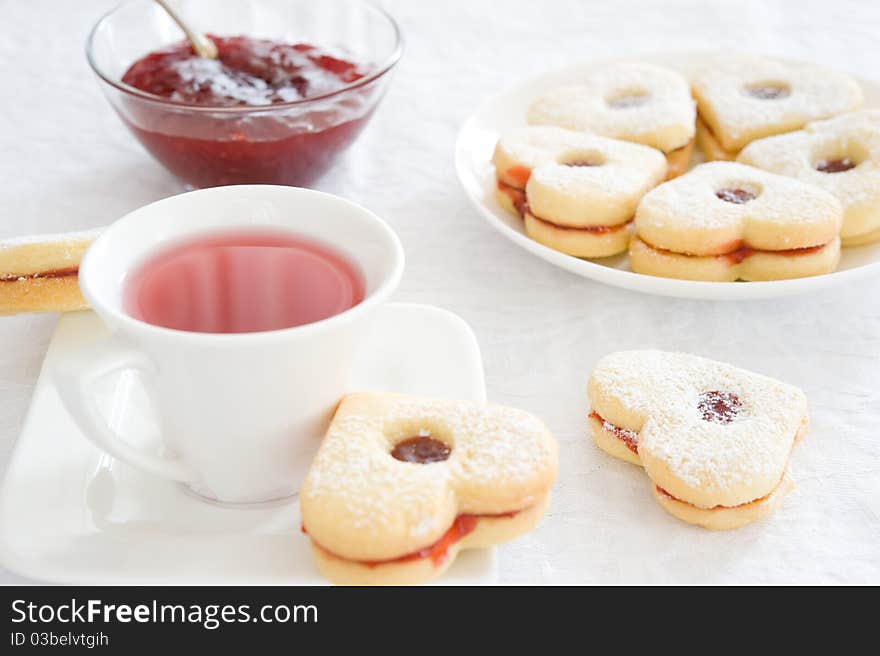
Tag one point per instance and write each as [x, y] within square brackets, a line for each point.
[76, 378]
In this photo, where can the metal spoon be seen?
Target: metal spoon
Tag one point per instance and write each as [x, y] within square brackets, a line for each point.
[202, 45]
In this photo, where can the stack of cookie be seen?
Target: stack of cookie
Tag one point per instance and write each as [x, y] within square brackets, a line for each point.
[806, 178]
[39, 273]
[714, 440]
[401, 484]
[576, 192]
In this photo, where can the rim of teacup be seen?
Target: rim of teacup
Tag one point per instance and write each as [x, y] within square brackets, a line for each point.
[113, 313]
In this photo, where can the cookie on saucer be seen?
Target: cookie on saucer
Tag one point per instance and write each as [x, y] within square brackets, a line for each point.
[401, 484]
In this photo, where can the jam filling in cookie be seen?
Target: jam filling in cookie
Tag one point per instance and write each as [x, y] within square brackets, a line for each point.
[518, 175]
[736, 195]
[421, 449]
[628, 437]
[719, 407]
[743, 251]
[517, 197]
[596, 229]
[521, 205]
[742, 505]
[439, 550]
[835, 165]
[58, 273]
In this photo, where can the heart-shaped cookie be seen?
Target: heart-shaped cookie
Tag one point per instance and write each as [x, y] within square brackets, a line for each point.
[725, 221]
[576, 192]
[841, 156]
[632, 101]
[865, 119]
[715, 440]
[741, 98]
[401, 484]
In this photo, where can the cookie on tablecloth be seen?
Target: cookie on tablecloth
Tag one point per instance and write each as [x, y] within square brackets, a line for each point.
[715, 440]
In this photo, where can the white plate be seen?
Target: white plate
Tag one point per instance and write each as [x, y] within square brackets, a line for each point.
[69, 513]
[473, 154]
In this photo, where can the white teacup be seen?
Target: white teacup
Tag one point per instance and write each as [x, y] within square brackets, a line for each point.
[240, 415]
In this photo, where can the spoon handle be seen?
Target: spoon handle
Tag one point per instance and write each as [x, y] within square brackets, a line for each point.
[202, 45]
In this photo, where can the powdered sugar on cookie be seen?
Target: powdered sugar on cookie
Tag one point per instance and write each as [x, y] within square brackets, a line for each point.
[744, 97]
[360, 502]
[841, 156]
[635, 102]
[35, 254]
[694, 214]
[732, 457]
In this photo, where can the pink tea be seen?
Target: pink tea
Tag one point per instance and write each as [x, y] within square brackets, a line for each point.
[243, 282]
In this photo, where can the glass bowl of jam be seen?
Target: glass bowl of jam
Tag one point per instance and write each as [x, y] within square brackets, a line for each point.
[294, 84]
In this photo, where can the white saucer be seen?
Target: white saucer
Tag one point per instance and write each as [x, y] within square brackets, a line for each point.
[473, 155]
[71, 514]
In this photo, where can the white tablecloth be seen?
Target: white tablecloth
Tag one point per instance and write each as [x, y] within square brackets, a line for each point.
[67, 162]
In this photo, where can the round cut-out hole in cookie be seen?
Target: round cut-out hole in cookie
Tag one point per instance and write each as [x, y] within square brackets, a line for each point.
[719, 407]
[421, 449]
[736, 195]
[629, 99]
[838, 165]
[768, 90]
[583, 158]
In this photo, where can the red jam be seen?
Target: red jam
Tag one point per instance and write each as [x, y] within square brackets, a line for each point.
[521, 204]
[439, 551]
[421, 449]
[55, 273]
[741, 253]
[595, 229]
[718, 507]
[516, 196]
[835, 165]
[628, 437]
[252, 72]
[519, 175]
[281, 146]
[719, 407]
[736, 196]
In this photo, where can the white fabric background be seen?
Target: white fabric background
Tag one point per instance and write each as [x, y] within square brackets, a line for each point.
[67, 162]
